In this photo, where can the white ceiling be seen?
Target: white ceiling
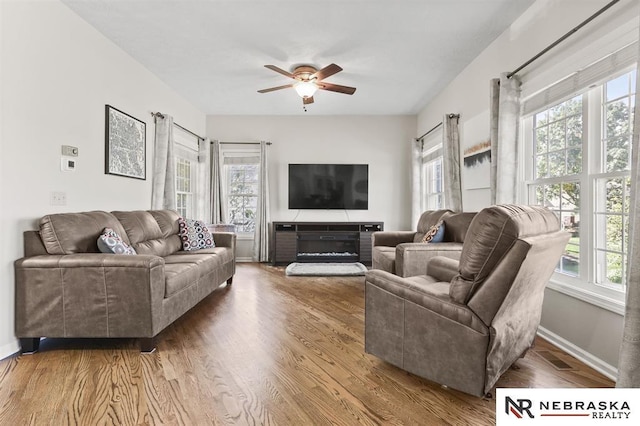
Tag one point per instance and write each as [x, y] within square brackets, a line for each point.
[397, 53]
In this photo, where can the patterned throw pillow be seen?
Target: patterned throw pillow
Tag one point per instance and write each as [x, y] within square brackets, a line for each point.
[194, 235]
[435, 234]
[110, 242]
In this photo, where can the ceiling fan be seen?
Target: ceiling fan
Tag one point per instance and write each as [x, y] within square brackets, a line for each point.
[308, 80]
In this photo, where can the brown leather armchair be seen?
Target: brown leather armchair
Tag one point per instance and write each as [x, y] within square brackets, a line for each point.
[402, 252]
[468, 321]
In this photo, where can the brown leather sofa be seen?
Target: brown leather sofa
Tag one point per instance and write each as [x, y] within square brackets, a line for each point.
[66, 288]
[468, 321]
[402, 253]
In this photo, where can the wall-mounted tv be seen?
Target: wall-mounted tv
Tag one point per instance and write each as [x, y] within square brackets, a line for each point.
[329, 186]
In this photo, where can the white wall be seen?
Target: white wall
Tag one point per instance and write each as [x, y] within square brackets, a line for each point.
[383, 142]
[594, 330]
[57, 75]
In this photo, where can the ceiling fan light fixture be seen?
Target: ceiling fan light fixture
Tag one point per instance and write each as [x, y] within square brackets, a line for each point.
[305, 89]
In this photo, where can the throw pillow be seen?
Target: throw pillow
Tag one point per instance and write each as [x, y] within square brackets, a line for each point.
[435, 234]
[194, 235]
[110, 242]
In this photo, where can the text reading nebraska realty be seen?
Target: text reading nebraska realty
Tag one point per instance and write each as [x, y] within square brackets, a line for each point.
[567, 406]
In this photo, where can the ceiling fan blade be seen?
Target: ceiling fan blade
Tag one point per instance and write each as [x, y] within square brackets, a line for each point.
[280, 70]
[337, 88]
[325, 72]
[272, 89]
[307, 101]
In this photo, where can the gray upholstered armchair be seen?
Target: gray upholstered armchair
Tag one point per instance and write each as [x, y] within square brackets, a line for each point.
[402, 253]
[468, 321]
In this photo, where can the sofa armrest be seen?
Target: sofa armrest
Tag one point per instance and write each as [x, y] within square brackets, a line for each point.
[441, 304]
[443, 268]
[224, 239]
[391, 238]
[413, 258]
[89, 295]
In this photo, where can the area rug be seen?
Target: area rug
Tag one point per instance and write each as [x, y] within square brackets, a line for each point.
[326, 269]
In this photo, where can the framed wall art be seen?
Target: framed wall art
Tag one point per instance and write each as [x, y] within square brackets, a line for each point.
[125, 144]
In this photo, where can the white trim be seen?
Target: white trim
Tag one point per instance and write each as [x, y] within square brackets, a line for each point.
[580, 354]
[9, 349]
[244, 259]
[614, 305]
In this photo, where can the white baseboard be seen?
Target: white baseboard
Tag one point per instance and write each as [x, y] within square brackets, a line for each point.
[591, 360]
[9, 349]
[244, 259]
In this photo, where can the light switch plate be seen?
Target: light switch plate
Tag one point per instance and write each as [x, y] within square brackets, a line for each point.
[58, 198]
[69, 150]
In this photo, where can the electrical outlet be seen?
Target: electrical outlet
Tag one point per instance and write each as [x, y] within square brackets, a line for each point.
[58, 198]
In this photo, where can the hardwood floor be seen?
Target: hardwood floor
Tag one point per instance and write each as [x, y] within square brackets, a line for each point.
[269, 350]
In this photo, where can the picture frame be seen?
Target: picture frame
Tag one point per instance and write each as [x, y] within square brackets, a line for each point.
[125, 145]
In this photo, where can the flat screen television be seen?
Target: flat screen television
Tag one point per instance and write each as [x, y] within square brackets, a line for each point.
[329, 186]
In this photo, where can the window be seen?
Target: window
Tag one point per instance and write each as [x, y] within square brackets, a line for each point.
[578, 158]
[242, 190]
[184, 187]
[186, 158]
[433, 193]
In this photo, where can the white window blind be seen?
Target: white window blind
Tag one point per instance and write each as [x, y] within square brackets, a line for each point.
[578, 81]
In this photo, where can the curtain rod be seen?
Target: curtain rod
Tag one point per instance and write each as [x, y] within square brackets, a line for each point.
[242, 143]
[563, 38]
[430, 130]
[159, 114]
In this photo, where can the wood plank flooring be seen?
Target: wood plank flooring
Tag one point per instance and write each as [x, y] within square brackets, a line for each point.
[270, 350]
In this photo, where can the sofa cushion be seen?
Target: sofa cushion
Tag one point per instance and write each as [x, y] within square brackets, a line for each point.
[145, 234]
[167, 221]
[194, 235]
[69, 233]
[206, 263]
[110, 242]
[225, 254]
[178, 276]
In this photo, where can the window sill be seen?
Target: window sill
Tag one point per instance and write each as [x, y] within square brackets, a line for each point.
[244, 237]
[613, 304]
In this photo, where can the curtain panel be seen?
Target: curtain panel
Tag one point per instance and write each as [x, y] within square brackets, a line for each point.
[163, 191]
[261, 238]
[629, 359]
[217, 203]
[417, 180]
[451, 163]
[504, 127]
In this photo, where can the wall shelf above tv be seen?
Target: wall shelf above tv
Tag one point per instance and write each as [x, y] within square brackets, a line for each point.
[323, 241]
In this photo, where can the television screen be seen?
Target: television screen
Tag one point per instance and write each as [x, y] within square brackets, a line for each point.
[329, 186]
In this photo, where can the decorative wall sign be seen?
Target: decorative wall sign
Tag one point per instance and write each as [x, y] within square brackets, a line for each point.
[125, 144]
[476, 152]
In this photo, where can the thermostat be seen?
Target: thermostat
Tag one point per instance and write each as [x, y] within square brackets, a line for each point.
[68, 164]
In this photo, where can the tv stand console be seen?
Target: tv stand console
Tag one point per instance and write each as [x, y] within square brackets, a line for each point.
[323, 241]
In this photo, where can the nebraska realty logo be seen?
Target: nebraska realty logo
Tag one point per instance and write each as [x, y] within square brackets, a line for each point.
[567, 406]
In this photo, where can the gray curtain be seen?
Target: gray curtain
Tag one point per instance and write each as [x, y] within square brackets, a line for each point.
[417, 180]
[217, 203]
[629, 361]
[505, 120]
[261, 238]
[203, 192]
[163, 192]
[451, 163]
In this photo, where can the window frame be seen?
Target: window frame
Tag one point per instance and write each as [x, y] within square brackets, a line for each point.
[432, 153]
[227, 170]
[584, 286]
[186, 150]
